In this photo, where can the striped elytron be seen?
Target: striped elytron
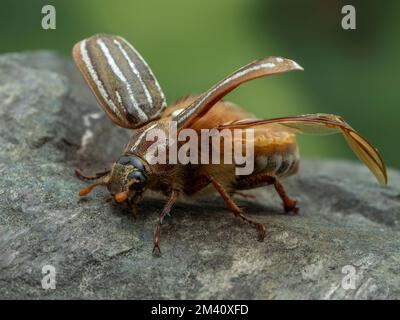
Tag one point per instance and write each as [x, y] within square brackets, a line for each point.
[130, 95]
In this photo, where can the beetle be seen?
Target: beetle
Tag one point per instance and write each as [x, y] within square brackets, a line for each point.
[130, 95]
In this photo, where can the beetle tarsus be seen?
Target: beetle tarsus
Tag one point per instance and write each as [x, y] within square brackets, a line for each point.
[289, 204]
[236, 210]
[156, 250]
[156, 242]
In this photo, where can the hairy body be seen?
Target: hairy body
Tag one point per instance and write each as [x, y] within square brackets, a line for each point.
[130, 95]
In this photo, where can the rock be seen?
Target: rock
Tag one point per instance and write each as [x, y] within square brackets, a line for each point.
[344, 244]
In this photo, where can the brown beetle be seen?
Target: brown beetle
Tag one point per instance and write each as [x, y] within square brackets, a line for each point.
[132, 98]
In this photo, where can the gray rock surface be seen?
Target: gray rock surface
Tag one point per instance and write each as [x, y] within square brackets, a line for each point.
[348, 227]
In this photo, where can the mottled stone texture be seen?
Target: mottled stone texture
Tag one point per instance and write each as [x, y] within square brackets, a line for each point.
[50, 123]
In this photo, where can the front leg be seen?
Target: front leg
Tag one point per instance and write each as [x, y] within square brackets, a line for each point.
[165, 211]
[133, 203]
[83, 176]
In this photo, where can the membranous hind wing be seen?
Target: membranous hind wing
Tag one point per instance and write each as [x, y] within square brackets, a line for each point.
[120, 79]
[256, 69]
[324, 124]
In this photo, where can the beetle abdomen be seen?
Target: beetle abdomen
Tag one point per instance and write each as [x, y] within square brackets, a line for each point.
[279, 164]
[268, 165]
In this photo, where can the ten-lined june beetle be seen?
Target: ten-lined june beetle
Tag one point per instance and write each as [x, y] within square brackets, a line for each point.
[130, 95]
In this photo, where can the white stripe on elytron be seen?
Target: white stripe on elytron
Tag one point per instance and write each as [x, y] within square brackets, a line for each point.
[117, 71]
[176, 112]
[99, 84]
[164, 103]
[136, 72]
[184, 115]
[140, 138]
[118, 97]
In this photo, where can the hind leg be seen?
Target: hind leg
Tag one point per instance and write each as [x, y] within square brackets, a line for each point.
[236, 210]
[262, 179]
[289, 204]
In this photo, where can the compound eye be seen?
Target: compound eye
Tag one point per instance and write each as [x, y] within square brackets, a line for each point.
[124, 160]
[140, 179]
[136, 162]
[132, 160]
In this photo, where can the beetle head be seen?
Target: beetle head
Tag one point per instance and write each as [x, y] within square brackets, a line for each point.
[128, 175]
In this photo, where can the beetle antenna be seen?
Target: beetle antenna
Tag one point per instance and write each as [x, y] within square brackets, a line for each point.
[122, 196]
[88, 189]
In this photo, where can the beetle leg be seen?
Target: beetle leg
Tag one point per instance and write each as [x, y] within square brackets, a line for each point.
[133, 204]
[288, 204]
[236, 210]
[165, 211]
[98, 175]
[259, 180]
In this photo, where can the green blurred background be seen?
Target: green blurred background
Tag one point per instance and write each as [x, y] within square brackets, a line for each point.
[192, 44]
